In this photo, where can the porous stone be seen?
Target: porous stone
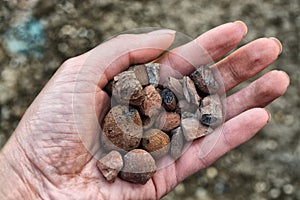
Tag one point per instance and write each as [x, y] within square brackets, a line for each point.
[211, 111]
[126, 89]
[167, 121]
[110, 165]
[168, 99]
[122, 128]
[175, 85]
[177, 143]
[153, 73]
[192, 128]
[190, 92]
[152, 101]
[204, 80]
[139, 167]
[156, 142]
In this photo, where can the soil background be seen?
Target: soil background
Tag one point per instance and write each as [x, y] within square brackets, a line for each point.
[37, 36]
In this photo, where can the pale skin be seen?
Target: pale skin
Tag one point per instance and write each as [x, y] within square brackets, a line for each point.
[46, 159]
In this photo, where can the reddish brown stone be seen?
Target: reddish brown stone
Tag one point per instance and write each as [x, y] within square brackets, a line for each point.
[139, 167]
[167, 121]
[122, 128]
[152, 101]
[156, 142]
[110, 165]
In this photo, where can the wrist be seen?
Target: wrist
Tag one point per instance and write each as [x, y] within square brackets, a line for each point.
[13, 171]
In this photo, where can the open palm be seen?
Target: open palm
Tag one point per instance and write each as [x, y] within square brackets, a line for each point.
[51, 153]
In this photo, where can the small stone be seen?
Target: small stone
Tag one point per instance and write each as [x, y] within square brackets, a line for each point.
[127, 89]
[153, 73]
[167, 121]
[175, 86]
[190, 92]
[177, 143]
[168, 99]
[141, 74]
[139, 166]
[192, 128]
[152, 101]
[185, 106]
[148, 122]
[122, 128]
[110, 165]
[156, 142]
[211, 111]
[204, 80]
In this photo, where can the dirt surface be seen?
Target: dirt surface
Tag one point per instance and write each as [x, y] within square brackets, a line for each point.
[37, 36]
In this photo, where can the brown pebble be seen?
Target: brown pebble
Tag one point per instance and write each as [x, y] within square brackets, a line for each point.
[175, 86]
[211, 111]
[139, 167]
[153, 73]
[141, 74]
[122, 128]
[110, 165]
[167, 121]
[168, 99]
[204, 80]
[156, 142]
[177, 143]
[127, 89]
[152, 101]
[192, 128]
[190, 92]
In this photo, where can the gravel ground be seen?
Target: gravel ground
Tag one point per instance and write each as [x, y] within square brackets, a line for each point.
[267, 167]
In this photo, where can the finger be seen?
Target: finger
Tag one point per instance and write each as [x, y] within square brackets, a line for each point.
[205, 151]
[248, 61]
[117, 54]
[208, 47]
[258, 94]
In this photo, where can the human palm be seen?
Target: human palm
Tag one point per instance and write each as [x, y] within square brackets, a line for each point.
[53, 152]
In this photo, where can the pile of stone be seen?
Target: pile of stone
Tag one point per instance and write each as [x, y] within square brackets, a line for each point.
[150, 120]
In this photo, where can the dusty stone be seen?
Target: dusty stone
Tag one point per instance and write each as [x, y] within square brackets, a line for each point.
[177, 143]
[175, 86]
[141, 74]
[156, 142]
[168, 99]
[153, 73]
[126, 89]
[152, 101]
[110, 165]
[122, 128]
[204, 80]
[211, 111]
[167, 121]
[192, 128]
[139, 166]
[190, 92]
[184, 106]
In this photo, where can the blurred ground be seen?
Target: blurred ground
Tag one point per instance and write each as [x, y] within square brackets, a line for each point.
[45, 33]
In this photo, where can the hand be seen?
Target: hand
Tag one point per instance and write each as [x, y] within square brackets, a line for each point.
[50, 156]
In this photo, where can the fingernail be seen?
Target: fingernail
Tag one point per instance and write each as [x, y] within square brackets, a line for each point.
[278, 43]
[270, 116]
[243, 25]
[162, 31]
